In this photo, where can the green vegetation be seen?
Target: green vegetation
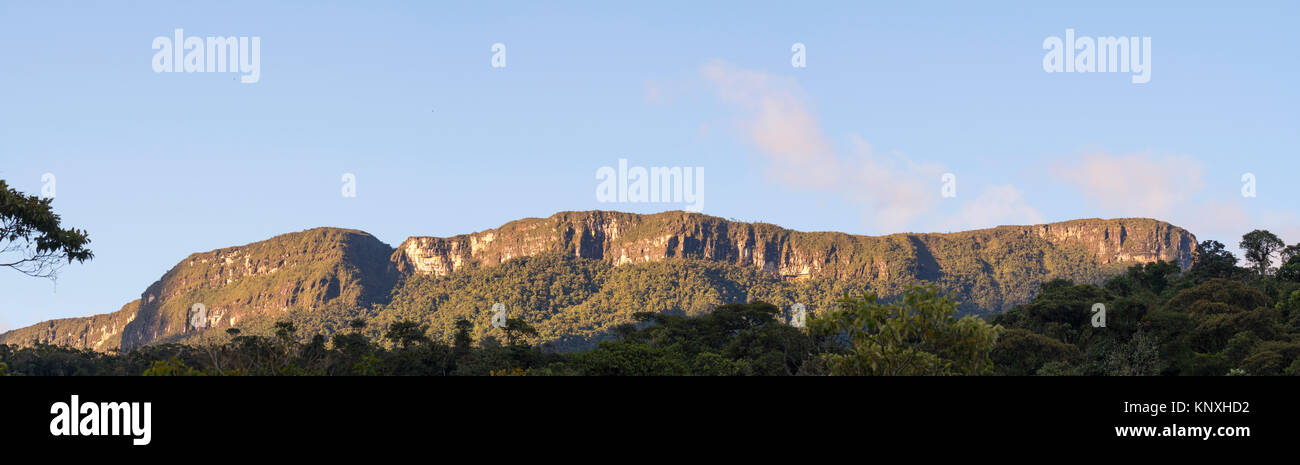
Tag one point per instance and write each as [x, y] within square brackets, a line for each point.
[1158, 320]
[32, 241]
[1213, 320]
[733, 339]
[329, 302]
[918, 335]
[559, 274]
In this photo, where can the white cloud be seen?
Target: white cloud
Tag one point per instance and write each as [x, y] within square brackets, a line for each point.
[1171, 188]
[1135, 184]
[779, 123]
[894, 191]
[996, 206]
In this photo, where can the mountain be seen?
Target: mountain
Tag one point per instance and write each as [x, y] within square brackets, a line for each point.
[237, 286]
[577, 275]
[992, 269]
[98, 332]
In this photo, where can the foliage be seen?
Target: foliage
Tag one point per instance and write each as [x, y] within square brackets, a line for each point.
[1213, 261]
[32, 241]
[686, 317]
[918, 335]
[1259, 246]
[1213, 320]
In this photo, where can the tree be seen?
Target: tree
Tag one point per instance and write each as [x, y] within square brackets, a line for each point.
[31, 239]
[517, 329]
[1290, 269]
[406, 333]
[284, 330]
[1213, 261]
[918, 335]
[1140, 356]
[462, 340]
[1288, 253]
[1259, 246]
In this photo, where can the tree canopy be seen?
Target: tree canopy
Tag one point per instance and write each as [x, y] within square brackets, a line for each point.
[32, 241]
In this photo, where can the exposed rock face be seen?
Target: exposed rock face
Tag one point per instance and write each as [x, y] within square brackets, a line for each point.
[305, 270]
[98, 332]
[298, 270]
[989, 270]
[623, 238]
[1125, 240]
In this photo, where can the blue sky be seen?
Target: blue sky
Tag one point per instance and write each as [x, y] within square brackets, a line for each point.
[159, 165]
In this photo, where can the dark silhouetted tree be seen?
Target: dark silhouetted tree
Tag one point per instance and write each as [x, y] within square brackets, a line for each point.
[31, 239]
[517, 329]
[406, 333]
[1213, 261]
[1289, 252]
[1259, 246]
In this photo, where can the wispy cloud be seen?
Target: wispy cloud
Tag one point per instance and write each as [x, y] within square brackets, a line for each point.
[1170, 188]
[1135, 184]
[997, 205]
[779, 122]
[895, 192]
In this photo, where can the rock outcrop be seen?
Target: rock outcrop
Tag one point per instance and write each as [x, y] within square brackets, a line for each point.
[99, 332]
[624, 238]
[252, 286]
[255, 282]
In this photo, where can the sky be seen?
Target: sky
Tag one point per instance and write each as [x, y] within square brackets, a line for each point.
[816, 116]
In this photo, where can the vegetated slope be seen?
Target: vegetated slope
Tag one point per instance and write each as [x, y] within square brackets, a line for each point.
[577, 275]
[990, 269]
[98, 332]
[247, 286]
[574, 302]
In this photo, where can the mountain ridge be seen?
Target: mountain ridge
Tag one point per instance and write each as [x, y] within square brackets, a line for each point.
[351, 272]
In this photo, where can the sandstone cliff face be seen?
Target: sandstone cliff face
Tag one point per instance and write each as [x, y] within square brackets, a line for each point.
[305, 270]
[989, 270]
[1126, 240]
[624, 238]
[99, 332]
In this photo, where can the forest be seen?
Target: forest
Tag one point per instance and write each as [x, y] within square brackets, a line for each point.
[1217, 318]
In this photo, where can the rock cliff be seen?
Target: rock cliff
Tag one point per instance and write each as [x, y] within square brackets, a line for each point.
[346, 272]
[624, 238]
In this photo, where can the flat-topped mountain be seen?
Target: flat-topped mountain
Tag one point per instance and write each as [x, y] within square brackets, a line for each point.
[626, 238]
[578, 274]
